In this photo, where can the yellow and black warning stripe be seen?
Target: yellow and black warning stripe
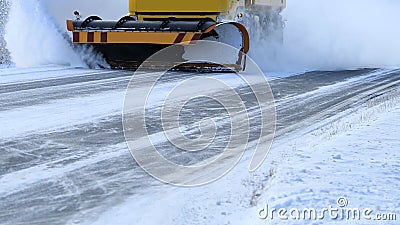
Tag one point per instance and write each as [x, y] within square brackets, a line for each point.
[150, 37]
[167, 38]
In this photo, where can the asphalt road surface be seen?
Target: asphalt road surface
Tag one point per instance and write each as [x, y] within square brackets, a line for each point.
[63, 155]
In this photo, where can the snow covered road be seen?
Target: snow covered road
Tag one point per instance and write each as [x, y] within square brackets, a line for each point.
[63, 156]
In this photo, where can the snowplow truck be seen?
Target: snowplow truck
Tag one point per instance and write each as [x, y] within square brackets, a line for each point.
[152, 25]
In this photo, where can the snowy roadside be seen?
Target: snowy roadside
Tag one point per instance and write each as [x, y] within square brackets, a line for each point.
[354, 159]
[353, 155]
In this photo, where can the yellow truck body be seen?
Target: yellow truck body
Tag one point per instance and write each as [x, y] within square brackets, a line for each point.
[228, 9]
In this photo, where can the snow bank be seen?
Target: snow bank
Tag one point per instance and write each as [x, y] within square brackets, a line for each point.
[358, 163]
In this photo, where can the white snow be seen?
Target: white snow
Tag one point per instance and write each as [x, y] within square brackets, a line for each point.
[358, 162]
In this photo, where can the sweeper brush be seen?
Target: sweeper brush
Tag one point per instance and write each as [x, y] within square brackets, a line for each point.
[153, 25]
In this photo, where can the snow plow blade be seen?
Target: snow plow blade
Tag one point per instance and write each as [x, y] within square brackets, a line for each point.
[127, 43]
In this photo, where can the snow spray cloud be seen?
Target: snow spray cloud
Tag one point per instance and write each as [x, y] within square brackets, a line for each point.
[334, 35]
[61, 10]
[205, 122]
[33, 38]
